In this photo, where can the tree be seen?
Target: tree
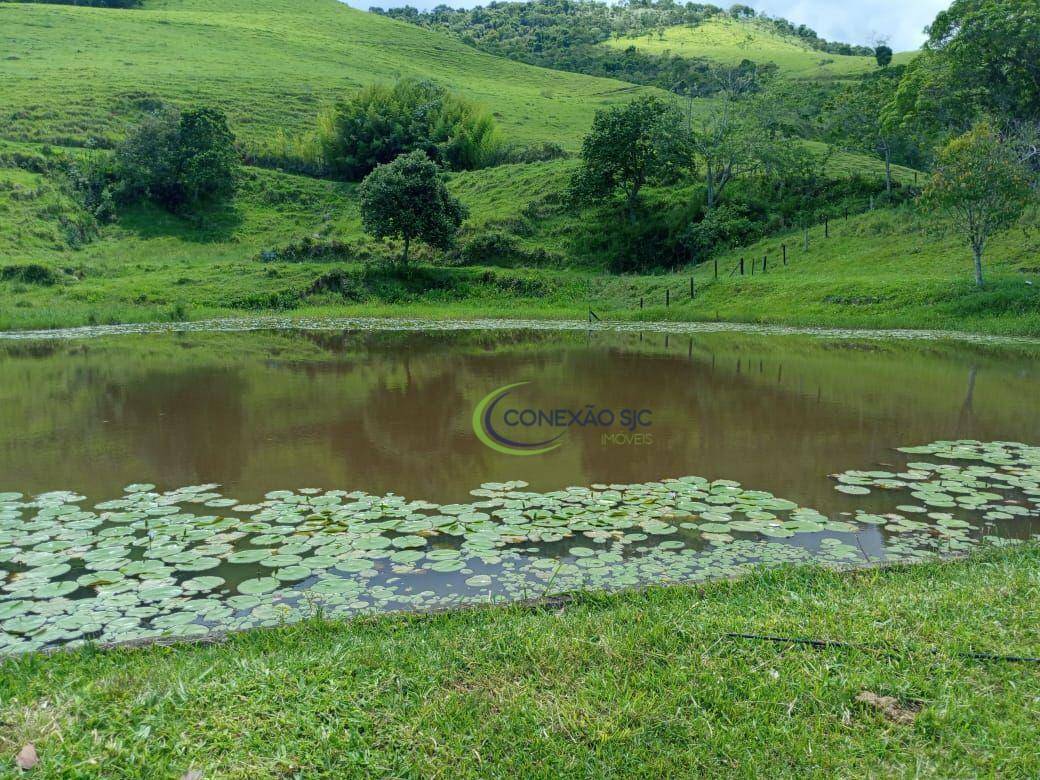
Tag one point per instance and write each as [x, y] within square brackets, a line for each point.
[980, 186]
[857, 118]
[982, 58]
[626, 148]
[721, 143]
[180, 159]
[993, 47]
[408, 199]
[883, 55]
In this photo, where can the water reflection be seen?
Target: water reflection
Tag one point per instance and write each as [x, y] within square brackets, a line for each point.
[390, 412]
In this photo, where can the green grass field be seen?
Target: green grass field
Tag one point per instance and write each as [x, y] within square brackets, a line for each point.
[729, 42]
[72, 74]
[639, 684]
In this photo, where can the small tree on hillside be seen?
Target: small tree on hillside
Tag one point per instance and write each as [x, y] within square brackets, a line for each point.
[883, 55]
[179, 159]
[980, 187]
[625, 149]
[720, 144]
[408, 199]
[856, 118]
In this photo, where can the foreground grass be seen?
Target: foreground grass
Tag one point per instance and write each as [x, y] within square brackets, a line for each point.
[640, 684]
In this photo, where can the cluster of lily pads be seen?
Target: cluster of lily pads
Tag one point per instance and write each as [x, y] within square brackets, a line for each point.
[185, 562]
[986, 482]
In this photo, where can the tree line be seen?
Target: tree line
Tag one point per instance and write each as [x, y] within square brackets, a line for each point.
[568, 35]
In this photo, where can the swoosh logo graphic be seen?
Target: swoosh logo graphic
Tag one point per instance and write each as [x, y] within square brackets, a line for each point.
[485, 430]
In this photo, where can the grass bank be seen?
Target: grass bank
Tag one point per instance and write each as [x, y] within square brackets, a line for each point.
[293, 245]
[641, 684]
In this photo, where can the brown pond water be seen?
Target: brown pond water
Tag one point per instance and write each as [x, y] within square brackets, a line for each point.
[393, 413]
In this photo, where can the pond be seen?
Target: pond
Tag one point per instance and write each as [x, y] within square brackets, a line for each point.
[175, 483]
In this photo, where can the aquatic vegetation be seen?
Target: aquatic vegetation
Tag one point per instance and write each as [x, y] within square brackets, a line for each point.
[188, 561]
[401, 324]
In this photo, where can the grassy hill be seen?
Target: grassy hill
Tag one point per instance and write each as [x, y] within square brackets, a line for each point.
[729, 42]
[71, 74]
[294, 244]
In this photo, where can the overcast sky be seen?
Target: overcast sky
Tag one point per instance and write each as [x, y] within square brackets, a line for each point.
[851, 21]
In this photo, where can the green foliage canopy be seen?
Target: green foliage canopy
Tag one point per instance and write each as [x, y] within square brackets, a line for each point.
[380, 122]
[982, 58]
[408, 199]
[980, 186]
[626, 148]
[179, 159]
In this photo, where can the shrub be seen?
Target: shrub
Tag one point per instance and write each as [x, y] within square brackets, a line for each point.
[491, 244]
[31, 273]
[380, 123]
[178, 159]
[723, 226]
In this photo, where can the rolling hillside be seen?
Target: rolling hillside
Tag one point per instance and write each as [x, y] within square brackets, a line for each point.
[72, 75]
[728, 42]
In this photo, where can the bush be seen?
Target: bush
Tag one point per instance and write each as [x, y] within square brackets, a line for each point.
[530, 154]
[31, 273]
[380, 123]
[491, 244]
[724, 226]
[178, 159]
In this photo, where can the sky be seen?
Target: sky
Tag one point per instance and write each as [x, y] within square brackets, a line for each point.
[851, 21]
[902, 22]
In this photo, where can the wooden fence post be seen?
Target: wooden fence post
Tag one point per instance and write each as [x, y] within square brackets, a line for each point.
[826, 227]
[764, 259]
[784, 247]
[692, 289]
[667, 297]
[716, 268]
[640, 302]
[742, 266]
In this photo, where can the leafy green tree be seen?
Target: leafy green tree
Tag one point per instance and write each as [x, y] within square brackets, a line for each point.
[982, 58]
[626, 148]
[179, 159]
[857, 118]
[408, 199]
[883, 55]
[980, 186]
[720, 144]
[379, 123]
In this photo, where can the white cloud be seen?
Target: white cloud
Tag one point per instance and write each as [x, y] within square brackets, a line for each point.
[902, 22]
